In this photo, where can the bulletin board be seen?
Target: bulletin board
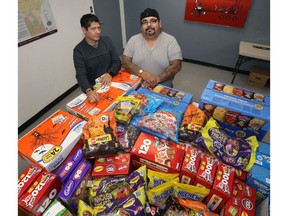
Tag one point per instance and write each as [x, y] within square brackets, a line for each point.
[35, 20]
[232, 13]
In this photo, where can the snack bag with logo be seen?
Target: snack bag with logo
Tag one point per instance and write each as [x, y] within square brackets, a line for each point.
[193, 121]
[238, 152]
[196, 207]
[125, 108]
[100, 136]
[185, 191]
[157, 178]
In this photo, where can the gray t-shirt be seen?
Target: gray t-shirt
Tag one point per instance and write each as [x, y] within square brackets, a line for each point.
[156, 59]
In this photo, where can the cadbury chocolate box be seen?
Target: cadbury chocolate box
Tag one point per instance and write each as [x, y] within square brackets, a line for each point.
[49, 143]
[242, 200]
[222, 187]
[206, 172]
[67, 168]
[112, 165]
[74, 189]
[41, 193]
[27, 178]
[158, 154]
[190, 165]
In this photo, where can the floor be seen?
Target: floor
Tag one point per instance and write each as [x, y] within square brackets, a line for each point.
[193, 78]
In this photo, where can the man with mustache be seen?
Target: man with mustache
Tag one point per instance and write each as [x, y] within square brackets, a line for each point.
[94, 56]
[153, 54]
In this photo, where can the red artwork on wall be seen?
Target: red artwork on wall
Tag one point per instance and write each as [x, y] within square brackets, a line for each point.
[231, 13]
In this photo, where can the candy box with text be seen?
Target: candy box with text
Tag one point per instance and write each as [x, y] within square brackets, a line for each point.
[111, 165]
[28, 177]
[238, 117]
[263, 155]
[157, 153]
[121, 83]
[244, 94]
[80, 106]
[41, 194]
[67, 168]
[172, 94]
[49, 143]
[222, 187]
[190, 165]
[259, 179]
[242, 200]
[206, 171]
[74, 189]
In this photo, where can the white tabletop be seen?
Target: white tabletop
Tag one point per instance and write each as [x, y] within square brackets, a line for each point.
[253, 50]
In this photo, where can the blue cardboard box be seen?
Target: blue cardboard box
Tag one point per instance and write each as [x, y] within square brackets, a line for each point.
[242, 93]
[238, 117]
[263, 155]
[260, 180]
[172, 93]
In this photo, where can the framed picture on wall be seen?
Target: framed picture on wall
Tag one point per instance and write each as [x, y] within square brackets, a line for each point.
[232, 13]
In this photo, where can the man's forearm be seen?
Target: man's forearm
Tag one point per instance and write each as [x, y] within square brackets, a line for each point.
[129, 66]
[171, 70]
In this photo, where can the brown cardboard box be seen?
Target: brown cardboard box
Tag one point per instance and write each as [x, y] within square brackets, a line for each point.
[258, 77]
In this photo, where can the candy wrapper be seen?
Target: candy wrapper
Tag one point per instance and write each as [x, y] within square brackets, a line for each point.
[157, 178]
[127, 136]
[133, 204]
[100, 136]
[192, 123]
[191, 192]
[148, 103]
[125, 108]
[196, 208]
[238, 152]
[164, 121]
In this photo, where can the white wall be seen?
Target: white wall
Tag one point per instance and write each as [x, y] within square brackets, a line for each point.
[45, 66]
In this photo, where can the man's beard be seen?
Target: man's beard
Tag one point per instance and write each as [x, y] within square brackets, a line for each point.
[150, 31]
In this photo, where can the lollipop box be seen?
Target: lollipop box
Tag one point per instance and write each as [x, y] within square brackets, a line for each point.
[238, 117]
[157, 154]
[244, 94]
[120, 85]
[49, 143]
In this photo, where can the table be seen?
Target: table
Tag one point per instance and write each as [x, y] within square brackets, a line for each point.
[249, 51]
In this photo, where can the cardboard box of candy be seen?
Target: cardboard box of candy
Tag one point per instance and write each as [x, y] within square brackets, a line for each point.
[243, 94]
[111, 165]
[67, 168]
[241, 202]
[263, 155]
[158, 154]
[238, 117]
[28, 177]
[259, 179]
[74, 189]
[190, 165]
[49, 143]
[222, 187]
[121, 83]
[206, 171]
[42, 192]
[172, 94]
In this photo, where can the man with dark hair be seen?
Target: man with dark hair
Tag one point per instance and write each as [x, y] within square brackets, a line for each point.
[95, 56]
[153, 54]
